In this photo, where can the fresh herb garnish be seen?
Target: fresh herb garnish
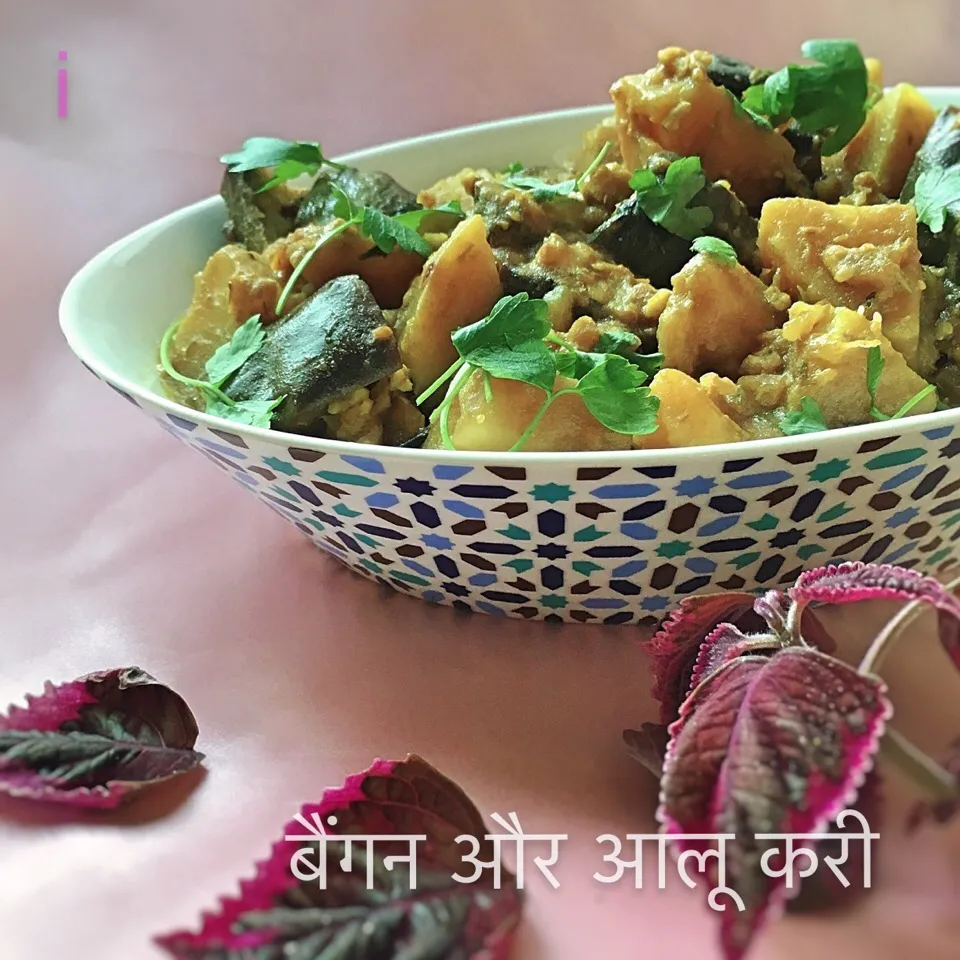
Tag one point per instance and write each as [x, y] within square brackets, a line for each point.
[288, 158]
[386, 233]
[717, 248]
[742, 108]
[875, 365]
[667, 202]
[413, 219]
[937, 195]
[625, 345]
[511, 344]
[515, 167]
[543, 192]
[225, 362]
[829, 96]
[808, 419]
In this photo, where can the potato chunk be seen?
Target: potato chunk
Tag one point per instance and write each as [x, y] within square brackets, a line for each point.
[826, 360]
[850, 256]
[714, 317]
[688, 415]
[388, 277]
[234, 284]
[678, 106]
[889, 139]
[497, 424]
[459, 285]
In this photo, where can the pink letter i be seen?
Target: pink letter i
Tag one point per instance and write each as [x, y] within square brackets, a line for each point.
[62, 88]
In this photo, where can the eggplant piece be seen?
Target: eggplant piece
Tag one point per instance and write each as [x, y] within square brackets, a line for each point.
[417, 440]
[734, 75]
[377, 190]
[632, 239]
[525, 278]
[940, 150]
[807, 148]
[331, 344]
[257, 219]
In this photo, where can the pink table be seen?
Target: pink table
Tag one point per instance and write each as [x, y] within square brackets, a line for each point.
[121, 547]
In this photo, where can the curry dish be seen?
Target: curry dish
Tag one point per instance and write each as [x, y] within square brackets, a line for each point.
[734, 254]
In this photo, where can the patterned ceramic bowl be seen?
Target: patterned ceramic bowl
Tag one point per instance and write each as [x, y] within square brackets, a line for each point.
[606, 538]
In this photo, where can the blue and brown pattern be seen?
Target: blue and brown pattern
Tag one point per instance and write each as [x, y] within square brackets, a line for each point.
[605, 544]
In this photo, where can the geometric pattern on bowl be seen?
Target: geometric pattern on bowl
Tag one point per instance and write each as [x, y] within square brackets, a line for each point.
[604, 544]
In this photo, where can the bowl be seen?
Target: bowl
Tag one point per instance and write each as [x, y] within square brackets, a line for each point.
[611, 538]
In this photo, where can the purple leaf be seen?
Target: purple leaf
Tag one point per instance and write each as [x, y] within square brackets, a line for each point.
[725, 643]
[774, 607]
[823, 889]
[941, 812]
[674, 647]
[279, 914]
[95, 741]
[775, 744]
[648, 745]
[853, 582]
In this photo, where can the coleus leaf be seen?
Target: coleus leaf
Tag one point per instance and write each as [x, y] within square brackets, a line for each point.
[765, 745]
[278, 915]
[854, 582]
[725, 643]
[95, 741]
[674, 647]
[648, 745]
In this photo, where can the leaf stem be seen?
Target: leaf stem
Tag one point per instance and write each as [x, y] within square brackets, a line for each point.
[444, 409]
[535, 422]
[307, 257]
[923, 772]
[441, 380]
[914, 400]
[597, 160]
[204, 386]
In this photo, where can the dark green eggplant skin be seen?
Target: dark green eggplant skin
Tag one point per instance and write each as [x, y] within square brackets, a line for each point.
[377, 190]
[734, 75]
[331, 344]
[807, 152]
[525, 278]
[940, 150]
[255, 219]
[632, 239]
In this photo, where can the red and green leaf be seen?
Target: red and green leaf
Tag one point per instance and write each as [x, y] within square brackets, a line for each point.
[854, 582]
[95, 741]
[648, 745]
[278, 915]
[776, 744]
[726, 643]
[674, 647]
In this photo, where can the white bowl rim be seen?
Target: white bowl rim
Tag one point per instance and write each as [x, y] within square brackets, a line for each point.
[69, 316]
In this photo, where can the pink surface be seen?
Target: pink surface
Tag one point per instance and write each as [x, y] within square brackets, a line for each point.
[122, 547]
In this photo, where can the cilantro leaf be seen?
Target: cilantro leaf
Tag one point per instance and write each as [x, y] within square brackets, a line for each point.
[667, 202]
[414, 219]
[717, 248]
[254, 413]
[232, 355]
[530, 362]
[625, 345]
[543, 192]
[515, 167]
[875, 365]
[288, 158]
[388, 232]
[808, 419]
[751, 106]
[539, 189]
[937, 195]
[613, 394]
[829, 96]
[512, 321]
